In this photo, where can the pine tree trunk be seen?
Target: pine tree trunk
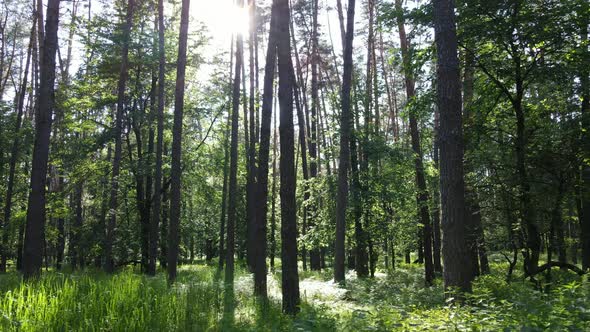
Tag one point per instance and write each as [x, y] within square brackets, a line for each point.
[233, 166]
[157, 198]
[35, 226]
[262, 186]
[251, 186]
[422, 192]
[290, 275]
[314, 254]
[458, 270]
[345, 153]
[176, 172]
[584, 199]
[273, 242]
[4, 231]
[112, 224]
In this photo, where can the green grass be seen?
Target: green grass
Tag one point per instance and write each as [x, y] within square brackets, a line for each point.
[128, 301]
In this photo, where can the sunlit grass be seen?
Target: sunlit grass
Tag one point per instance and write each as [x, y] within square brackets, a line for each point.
[129, 301]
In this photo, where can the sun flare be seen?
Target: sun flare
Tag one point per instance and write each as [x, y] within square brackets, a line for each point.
[222, 17]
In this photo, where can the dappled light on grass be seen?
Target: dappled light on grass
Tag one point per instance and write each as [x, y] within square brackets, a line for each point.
[397, 301]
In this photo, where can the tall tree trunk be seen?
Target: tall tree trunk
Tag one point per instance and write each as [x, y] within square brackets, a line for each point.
[123, 74]
[14, 154]
[344, 163]
[156, 200]
[476, 237]
[233, 166]
[225, 166]
[458, 270]
[584, 199]
[35, 227]
[302, 139]
[176, 172]
[436, 236]
[314, 254]
[422, 195]
[262, 186]
[273, 242]
[290, 275]
[251, 148]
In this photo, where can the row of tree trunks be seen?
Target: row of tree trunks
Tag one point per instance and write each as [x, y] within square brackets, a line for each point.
[109, 265]
[4, 245]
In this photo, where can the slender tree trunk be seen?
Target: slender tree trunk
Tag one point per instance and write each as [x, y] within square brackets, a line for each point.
[262, 186]
[111, 226]
[156, 200]
[290, 275]
[314, 254]
[476, 238]
[35, 227]
[422, 195]
[176, 172]
[341, 23]
[436, 236]
[251, 187]
[302, 139]
[14, 154]
[344, 163]
[584, 199]
[233, 166]
[226, 149]
[273, 242]
[458, 270]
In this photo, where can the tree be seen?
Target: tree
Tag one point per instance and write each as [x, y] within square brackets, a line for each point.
[233, 166]
[173, 235]
[157, 200]
[422, 192]
[290, 276]
[109, 264]
[35, 227]
[14, 154]
[345, 129]
[456, 250]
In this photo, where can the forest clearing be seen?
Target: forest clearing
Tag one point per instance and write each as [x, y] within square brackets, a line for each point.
[294, 165]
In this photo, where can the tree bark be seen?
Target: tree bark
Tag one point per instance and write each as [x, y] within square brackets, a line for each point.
[233, 166]
[123, 74]
[458, 270]
[422, 194]
[314, 253]
[157, 198]
[14, 154]
[251, 186]
[290, 275]
[176, 172]
[35, 226]
[584, 199]
[262, 186]
[344, 163]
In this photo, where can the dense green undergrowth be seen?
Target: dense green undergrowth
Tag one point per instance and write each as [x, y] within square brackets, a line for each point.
[128, 301]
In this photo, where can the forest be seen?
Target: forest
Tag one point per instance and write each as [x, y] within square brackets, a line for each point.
[294, 165]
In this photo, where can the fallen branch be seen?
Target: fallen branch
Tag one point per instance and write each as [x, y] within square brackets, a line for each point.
[549, 265]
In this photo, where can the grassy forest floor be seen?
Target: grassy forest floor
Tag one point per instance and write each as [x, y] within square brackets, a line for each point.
[129, 301]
